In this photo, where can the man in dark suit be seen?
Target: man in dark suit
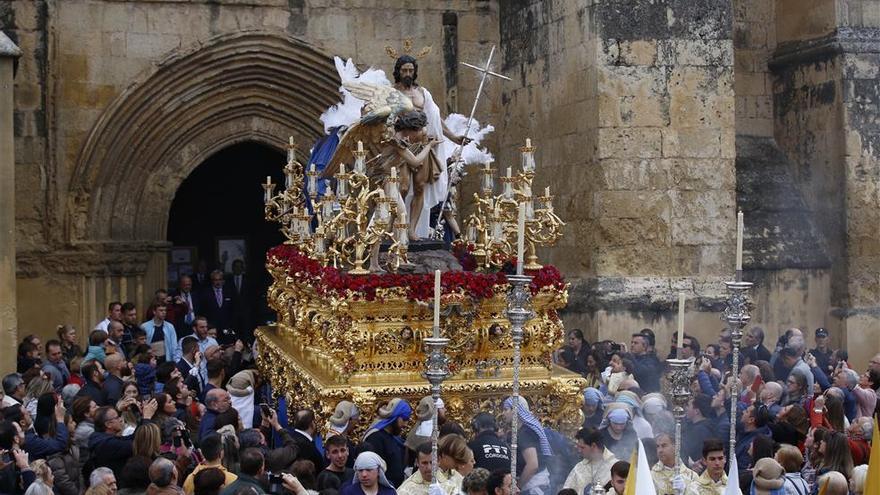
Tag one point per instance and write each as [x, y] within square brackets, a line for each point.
[242, 288]
[305, 435]
[201, 279]
[217, 304]
[754, 337]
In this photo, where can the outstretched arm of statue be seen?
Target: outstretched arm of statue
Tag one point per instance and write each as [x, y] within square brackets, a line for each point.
[455, 138]
[416, 161]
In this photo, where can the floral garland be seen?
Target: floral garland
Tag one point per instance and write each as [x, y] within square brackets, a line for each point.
[331, 281]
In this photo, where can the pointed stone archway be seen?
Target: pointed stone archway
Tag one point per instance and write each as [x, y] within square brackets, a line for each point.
[249, 86]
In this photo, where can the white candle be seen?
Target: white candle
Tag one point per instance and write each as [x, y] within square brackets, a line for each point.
[509, 172]
[290, 141]
[520, 238]
[739, 241]
[360, 146]
[393, 172]
[528, 142]
[436, 303]
[268, 180]
[547, 191]
[341, 168]
[681, 301]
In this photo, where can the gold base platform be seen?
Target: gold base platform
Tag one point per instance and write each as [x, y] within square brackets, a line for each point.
[309, 380]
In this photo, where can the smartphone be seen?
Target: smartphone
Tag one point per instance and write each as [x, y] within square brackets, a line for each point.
[266, 410]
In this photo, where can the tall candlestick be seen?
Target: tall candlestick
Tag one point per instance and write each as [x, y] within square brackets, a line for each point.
[739, 241]
[520, 239]
[436, 303]
[680, 324]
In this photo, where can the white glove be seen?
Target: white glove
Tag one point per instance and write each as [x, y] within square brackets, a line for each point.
[436, 489]
[606, 374]
[678, 484]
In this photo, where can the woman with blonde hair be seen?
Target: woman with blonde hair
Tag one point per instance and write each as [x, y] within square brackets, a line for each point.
[147, 441]
[35, 388]
[45, 479]
[454, 459]
[791, 459]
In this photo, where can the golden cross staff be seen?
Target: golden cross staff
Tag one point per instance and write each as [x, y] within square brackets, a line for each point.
[485, 74]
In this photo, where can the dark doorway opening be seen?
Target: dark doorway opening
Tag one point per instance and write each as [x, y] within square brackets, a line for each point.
[221, 204]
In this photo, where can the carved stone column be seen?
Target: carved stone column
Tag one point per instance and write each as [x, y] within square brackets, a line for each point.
[8, 315]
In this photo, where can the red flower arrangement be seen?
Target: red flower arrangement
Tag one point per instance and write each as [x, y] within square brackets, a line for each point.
[328, 280]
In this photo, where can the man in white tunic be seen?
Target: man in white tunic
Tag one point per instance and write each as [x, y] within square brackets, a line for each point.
[596, 466]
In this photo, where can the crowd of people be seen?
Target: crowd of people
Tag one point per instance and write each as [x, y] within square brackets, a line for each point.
[173, 405]
[804, 417]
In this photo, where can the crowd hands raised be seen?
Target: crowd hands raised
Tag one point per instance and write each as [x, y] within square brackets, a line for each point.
[804, 416]
[162, 409]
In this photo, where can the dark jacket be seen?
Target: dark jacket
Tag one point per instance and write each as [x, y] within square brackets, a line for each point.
[355, 489]
[243, 481]
[389, 448]
[113, 386]
[93, 391]
[308, 450]
[647, 372]
[68, 474]
[38, 447]
[110, 451]
[281, 458]
[693, 436]
[207, 424]
[15, 482]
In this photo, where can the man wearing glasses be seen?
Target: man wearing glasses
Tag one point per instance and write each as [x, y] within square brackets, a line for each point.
[13, 390]
[107, 447]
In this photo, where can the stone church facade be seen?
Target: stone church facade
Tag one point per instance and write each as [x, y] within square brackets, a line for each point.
[655, 120]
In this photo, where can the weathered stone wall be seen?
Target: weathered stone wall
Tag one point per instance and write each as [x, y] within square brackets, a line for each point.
[825, 82]
[754, 38]
[82, 59]
[643, 169]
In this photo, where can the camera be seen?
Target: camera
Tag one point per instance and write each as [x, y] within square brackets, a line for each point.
[276, 483]
[615, 347]
[228, 332]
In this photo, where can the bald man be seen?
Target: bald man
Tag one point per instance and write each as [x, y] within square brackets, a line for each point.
[217, 401]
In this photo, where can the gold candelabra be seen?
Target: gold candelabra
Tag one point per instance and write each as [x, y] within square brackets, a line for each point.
[349, 221]
[492, 228]
[288, 207]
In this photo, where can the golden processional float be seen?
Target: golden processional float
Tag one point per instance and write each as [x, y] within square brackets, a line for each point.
[348, 333]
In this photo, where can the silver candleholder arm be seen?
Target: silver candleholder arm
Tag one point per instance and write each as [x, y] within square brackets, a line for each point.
[736, 314]
[519, 311]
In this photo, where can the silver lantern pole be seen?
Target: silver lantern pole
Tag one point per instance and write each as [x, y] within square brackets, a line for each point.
[736, 314]
[437, 370]
[519, 311]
